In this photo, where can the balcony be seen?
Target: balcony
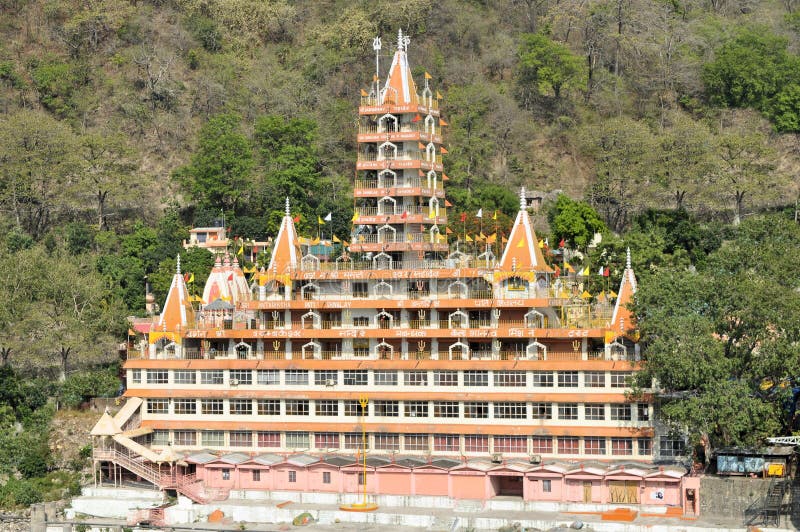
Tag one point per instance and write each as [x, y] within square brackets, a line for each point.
[400, 156]
[402, 183]
[374, 105]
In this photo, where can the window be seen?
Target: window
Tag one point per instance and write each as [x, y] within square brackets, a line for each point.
[445, 378]
[326, 378]
[157, 406]
[241, 438]
[620, 412]
[353, 408]
[446, 443]
[619, 379]
[542, 411]
[267, 377]
[547, 486]
[160, 437]
[296, 407]
[360, 289]
[510, 444]
[594, 379]
[671, 447]
[297, 440]
[212, 438]
[594, 412]
[386, 408]
[268, 439]
[476, 410]
[509, 378]
[387, 442]
[226, 474]
[157, 376]
[355, 377]
[416, 408]
[241, 376]
[184, 406]
[567, 379]
[256, 475]
[474, 443]
[185, 376]
[211, 376]
[268, 407]
[296, 377]
[476, 378]
[510, 410]
[445, 409]
[326, 407]
[543, 379]
[416, 442]
[622, 446]
[568, 445]
[644, 446]
[212, 407]
[567, 411]
[292, 476]
[354, 440]
[385, 378]
[361, 479]
[542, 445]
[241, 407]
[326, 440]
[415, 378]
[185, 437]
[643, 412]
[326, 477]
[136, 376]
[594, 445]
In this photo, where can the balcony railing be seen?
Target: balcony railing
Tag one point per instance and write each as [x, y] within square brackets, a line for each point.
[406, 183]
[373, 101]
[418, 127]
[400, 156]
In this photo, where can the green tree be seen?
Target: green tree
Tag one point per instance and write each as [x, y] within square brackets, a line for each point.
[546, 67]
[575, 221]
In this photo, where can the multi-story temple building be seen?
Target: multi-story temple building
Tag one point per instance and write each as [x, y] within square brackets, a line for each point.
[481, 374]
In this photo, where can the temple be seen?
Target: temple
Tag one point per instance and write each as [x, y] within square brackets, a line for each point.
[484, 371]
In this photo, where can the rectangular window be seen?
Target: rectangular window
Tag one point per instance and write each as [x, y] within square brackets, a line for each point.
[212, 438]
[510, 410]
[594, 379]
[386, 408]
[212, 407]
[326, 407]
[185, 376]
[268, 377]
[542, 379]
[385, 378]
[415, 378]
[619, 379]
[326, 440]
[445, 378]
[226, 474]
[296, 377]
[542, 411]
[268, 439]
[510, 444]
[416, 442]
[594, 412]
[157, 376]
[297, 440]
[567, 379]
[473, 410]
[326, 378]
[256, 475]
[567, 411]
[416, 408]
[568, 445]
[361, 479]
[211, 376]
[360, 289]
[387, 442]
[354, 440]
[355, 377]
[185, 437]
[241, 407]
[241, 438]
[158, 406]
[268, 407]
[136, 376]
[326, 477]
[184, 406]
[622, 446]
[547, 486]
[509, 378]
[474, 443]
[445, 409]
[160, 437]
[594, 445]
[448, 443]
[241, 377]
[476, 378]
[353, 408]
[644, 446]
[541, 445]
[670, 447]
[643, 412]
[292, 476]
[620, 412]
[296, 407]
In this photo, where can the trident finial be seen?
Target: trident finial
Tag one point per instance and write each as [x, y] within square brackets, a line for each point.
[523, 204]
[628, 259]
[400, 41]
[178, 264]
[288, 213]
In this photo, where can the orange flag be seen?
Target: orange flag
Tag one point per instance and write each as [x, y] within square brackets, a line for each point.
[442, 122]
[364, 93]
[421, 146]
[444, 150]
[448, 231]
[445, 178]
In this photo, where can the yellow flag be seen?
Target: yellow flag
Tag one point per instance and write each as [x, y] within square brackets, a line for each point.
[320, 221]
[541, 243]
[609, 336]
[241, 250]
[467, 238]
[315, 241]
[336, 239]
[494, 216]
[438, 95]
[491, 239]
[356, 216]
[191, 277]
[521, 243]
[482, 236]
[586, 295]
[428, 76]
[364, 93]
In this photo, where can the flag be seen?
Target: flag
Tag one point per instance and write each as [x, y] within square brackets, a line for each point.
[504, 240]
[404, 215]
[346, 244]
[356, 216]
[416, 118]
[241, 249]
[230, 277]
[442, 122]
[315, 241]
[557, 270]
[191, 278]
[480, 213]
[336, 239]
[296, 219]
[438, 95]
[364, 93]
[186, 277]
[521, 243]
[586, 295]
[541, 244]
[600, 271]
[329, 217]
[612, 294]
[448, 231]
[585, 272]
[428, 76]
[420, 146]
[320, 221]
[606, 272]
[445, 178]
[482, 236]
[463, 217]
[431, 212]
[447, 203]
[569, 268]
[420, 173]
[561, 243]
[467, 238]
[374, 77]
[491, 239]
[444, 150]
[494, 216]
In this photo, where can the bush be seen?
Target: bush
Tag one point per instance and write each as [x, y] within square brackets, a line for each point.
[82, 386]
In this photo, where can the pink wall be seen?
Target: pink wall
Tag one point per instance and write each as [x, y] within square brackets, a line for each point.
[395, 482]
[468, 485]
[432, 482]
[280, 477]
[660, 492]
[536, 487]
[316, 478]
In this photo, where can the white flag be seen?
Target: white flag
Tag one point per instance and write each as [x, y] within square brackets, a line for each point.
[329, 217]
[480, 213]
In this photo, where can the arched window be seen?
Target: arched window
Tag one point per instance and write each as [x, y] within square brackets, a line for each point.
[387, 205]
[387, 234]
[387, 179]
[384, 350]
[535, 320]
[312, 350]
[456, 290]
[310, 320]
[459, 351]
[309, 291]
[457, 320]
[384, 320]
[243, 350]
[382, 261]
[536, 351]
[387, 123]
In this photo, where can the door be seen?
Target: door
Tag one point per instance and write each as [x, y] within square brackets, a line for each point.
[624, 491]
[587, 491]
